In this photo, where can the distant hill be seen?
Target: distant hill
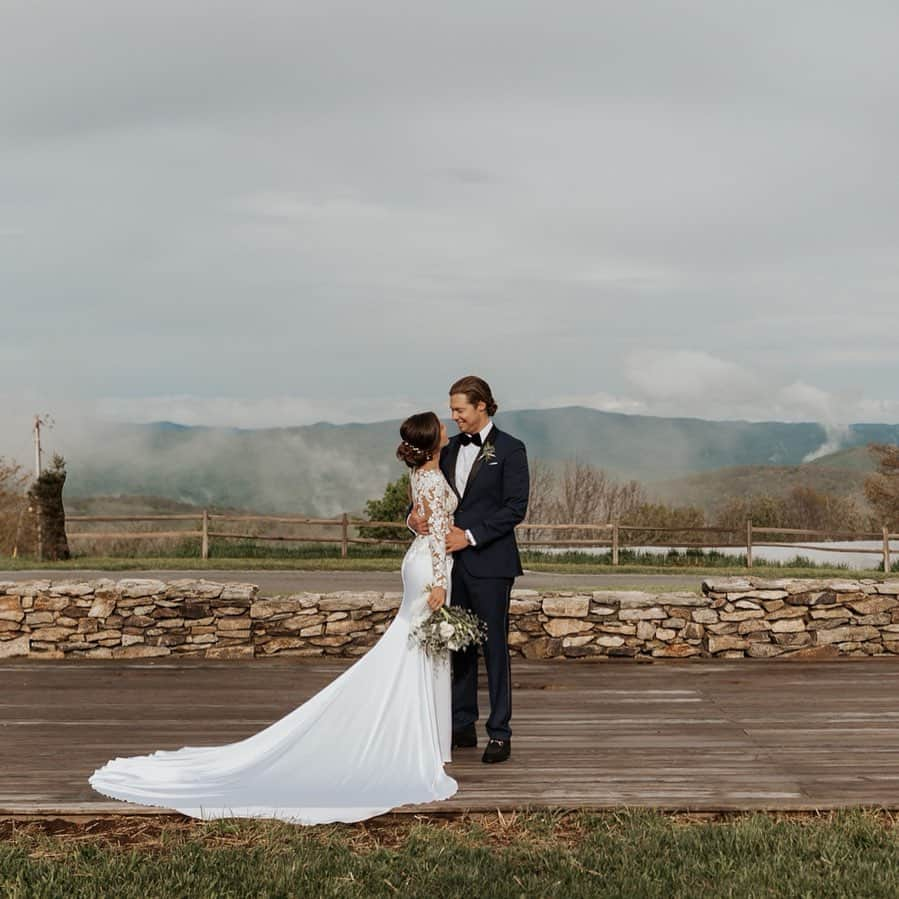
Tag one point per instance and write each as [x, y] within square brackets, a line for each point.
[326, 469]
[858, 458]
[710, 490]
[134, 505]
[842, 473]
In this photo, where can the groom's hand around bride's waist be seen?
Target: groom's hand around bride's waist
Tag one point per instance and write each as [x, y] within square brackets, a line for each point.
[418, 523]
[456, 539]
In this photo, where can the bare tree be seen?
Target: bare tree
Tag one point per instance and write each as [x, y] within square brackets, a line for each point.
[629, 499]
[810, 508]
[661, 515]
[801, 507]
[882, 488]
[577, 493]
[541, 499]
[14, 523]
[587, 495]
[580, 495]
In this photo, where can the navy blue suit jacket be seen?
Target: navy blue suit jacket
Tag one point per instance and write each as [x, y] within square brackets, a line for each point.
[494, 500]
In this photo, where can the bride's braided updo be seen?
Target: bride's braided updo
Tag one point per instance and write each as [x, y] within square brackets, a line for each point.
[421, 439]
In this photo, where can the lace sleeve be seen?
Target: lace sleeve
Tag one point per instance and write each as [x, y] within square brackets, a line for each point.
[430, 501]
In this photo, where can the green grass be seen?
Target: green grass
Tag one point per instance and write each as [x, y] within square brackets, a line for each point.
[179, 563]
[96, 563]
[626, 853]
[699, 562]
[781, 571]
[364, 558]
[250, 555]
[222, 550]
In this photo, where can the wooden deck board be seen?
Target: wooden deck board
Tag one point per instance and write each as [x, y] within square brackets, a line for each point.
[707, 735]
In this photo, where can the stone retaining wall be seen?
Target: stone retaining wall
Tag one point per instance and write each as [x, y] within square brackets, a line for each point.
[731, 618]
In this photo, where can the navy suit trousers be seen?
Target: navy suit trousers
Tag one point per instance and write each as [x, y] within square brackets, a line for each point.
[488, 598]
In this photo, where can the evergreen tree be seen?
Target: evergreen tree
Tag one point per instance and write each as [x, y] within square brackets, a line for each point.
[45, 495]
[391, 506]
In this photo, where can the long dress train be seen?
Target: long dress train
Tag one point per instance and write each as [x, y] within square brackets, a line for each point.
[373, 739]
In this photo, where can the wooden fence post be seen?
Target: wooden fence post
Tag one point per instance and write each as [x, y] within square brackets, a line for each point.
[614, 542]
[204, 549]
[886, 550]
[344, 537]
[749, 543]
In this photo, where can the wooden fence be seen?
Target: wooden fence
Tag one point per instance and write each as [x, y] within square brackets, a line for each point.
[613, 535]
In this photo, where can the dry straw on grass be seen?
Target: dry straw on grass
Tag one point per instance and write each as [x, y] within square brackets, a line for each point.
[53, 837]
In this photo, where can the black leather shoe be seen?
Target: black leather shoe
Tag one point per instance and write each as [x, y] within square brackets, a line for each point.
[465, 738]
[497, 751]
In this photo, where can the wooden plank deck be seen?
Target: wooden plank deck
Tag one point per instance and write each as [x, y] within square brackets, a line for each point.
[706, 736]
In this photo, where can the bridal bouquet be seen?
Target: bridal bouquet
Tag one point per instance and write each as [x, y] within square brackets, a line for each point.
[449, 628]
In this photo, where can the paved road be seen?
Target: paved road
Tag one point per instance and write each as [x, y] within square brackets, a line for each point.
[271, 582]
[732, 734]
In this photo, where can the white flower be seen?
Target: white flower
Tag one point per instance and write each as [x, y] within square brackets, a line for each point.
[488, 453]
[448, 629]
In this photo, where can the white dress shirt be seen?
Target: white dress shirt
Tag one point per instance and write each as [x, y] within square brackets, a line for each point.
[466, 459]
[465, 462]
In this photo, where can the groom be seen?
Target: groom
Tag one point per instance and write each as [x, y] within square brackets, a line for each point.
[488, 470]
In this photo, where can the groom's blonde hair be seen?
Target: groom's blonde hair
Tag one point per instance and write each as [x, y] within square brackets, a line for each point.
[477, 390]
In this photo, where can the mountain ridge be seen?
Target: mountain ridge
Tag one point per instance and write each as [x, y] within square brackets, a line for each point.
[327, 468]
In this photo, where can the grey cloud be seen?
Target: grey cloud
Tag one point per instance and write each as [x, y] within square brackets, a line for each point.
[468, 175]
[347, 205]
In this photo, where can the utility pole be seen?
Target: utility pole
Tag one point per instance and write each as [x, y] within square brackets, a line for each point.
[38, 422]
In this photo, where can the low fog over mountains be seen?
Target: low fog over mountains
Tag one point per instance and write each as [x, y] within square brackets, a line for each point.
[325, 469]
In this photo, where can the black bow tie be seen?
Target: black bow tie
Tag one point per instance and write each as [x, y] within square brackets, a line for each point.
[465, 439]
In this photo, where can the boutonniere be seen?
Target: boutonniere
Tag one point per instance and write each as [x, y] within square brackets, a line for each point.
[487, 454]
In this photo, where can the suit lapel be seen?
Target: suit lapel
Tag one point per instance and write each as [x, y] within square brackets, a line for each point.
[448, 463]
[489, 440]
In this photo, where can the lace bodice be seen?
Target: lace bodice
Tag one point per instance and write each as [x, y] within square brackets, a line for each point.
[433, 499]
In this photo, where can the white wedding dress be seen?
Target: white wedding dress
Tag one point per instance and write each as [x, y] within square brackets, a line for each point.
[374, 739]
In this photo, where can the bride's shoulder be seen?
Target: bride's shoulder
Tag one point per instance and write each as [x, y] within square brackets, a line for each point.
[428, 476]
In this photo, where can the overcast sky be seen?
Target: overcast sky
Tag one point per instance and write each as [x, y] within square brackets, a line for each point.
[279, 212]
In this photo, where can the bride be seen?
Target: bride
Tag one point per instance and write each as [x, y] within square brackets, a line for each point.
[375, 738]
